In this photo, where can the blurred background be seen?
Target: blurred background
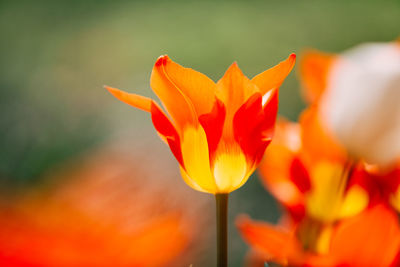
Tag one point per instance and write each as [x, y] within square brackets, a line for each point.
[56, 119]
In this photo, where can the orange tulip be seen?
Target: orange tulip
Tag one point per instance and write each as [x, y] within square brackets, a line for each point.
[371, 238]
[217, 131]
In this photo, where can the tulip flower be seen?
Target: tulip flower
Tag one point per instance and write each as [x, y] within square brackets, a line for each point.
[218, 132]
[358, 94]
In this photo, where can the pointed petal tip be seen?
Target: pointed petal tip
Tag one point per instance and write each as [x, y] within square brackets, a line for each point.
[138, 101]
[112, 90]
[291, 60]
[234, 68]
[162, 60]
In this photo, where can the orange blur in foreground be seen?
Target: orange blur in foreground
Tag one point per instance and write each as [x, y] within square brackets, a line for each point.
[208, 128]
[110, 212]
[371, 238]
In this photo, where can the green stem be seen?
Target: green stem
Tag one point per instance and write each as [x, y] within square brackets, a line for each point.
[222, 229]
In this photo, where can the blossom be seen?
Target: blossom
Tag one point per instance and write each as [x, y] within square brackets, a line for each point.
[357, 92]
[217, 131]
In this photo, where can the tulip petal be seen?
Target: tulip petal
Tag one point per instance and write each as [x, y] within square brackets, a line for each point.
[196, 86]
[279, 173]
[233, 89]
[273, 242]
[196, 158]
[274, 77]
[374, 234]
[178, 105]
[213, 124]
[137, 101]
[254, 135]
[189, 181]
[230, 169]
[314, 71]
[317, 143]
[244, 127]
[276, 177]
[167, 131]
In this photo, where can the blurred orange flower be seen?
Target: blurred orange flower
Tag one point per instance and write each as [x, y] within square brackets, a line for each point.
[107, 211]
[332, 203]
[217, 131]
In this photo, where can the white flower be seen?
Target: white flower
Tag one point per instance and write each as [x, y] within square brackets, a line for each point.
[361, 104]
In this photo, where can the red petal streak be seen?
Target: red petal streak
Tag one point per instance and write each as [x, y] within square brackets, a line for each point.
[165, 128]
[213, 124]
[253, 125]
[245, 122]
[299, 175]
